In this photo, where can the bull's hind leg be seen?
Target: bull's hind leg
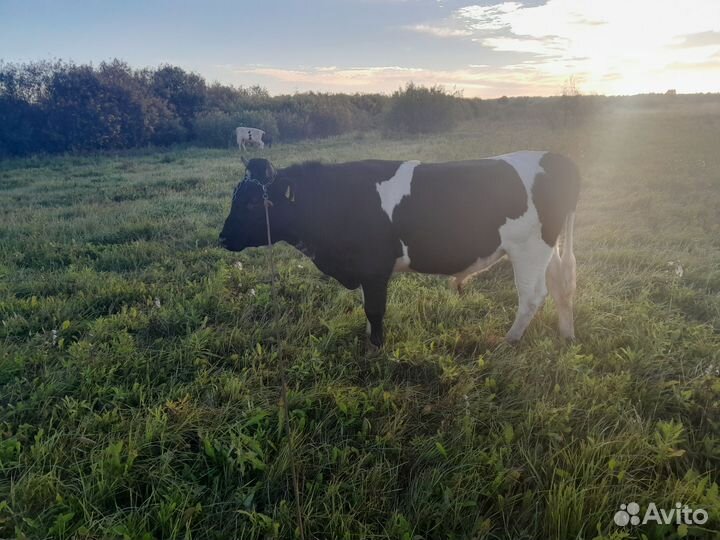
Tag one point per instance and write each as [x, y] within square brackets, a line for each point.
[530, 262]
[561, 282]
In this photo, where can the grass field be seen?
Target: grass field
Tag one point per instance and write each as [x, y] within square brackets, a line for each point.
[139, 387]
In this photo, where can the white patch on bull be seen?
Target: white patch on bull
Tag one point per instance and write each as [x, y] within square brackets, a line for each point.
[391, 193]
[526, 164]
[527, 227]
[393, 190]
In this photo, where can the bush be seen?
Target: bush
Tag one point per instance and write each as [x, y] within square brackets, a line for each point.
[23, 89]
[163, 126]
[214, 129]
[85, 114]
[420, 109]
[293, 125]
[58, 107]
[184, 92]
[328, 119]
[20, 127]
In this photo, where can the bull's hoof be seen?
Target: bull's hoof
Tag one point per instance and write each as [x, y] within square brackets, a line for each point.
[371, 349]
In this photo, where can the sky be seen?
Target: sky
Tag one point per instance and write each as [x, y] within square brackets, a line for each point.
[482, 48]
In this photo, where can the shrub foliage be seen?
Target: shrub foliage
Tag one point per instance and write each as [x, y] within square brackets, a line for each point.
[64, 107]
[420, 109]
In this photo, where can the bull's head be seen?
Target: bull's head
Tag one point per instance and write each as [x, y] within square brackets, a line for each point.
[245, 226]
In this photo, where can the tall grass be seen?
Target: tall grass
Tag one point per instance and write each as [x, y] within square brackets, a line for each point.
[139, 383]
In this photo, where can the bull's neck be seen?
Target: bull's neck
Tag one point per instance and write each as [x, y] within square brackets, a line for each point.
[289, 228]
[283, 224]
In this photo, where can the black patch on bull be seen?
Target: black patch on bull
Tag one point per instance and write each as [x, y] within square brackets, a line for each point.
[454, 212]
[339, 218]
[555, 194]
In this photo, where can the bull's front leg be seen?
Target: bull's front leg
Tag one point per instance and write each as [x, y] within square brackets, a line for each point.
[374, 291]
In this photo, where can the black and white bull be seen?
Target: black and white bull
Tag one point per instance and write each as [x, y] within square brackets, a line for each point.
[362, 221]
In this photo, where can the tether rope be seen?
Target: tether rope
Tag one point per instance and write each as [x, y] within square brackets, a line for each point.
[282, 368]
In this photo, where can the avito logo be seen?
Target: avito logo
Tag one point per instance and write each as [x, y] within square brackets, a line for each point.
[629, 514]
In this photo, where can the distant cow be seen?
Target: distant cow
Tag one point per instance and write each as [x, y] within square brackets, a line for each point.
[252, 136]
[359, 222]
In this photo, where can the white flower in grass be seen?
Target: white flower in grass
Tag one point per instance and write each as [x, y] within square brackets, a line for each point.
[252, 292]
[157, 302]
[238, 265]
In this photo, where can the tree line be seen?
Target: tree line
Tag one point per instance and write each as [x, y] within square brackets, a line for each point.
[64, 107]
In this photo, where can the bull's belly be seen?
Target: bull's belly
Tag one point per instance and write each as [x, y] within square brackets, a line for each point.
[480, 265]
[462, 259]
[404, 264]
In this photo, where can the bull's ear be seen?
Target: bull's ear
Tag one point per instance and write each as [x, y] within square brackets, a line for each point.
[244, 160]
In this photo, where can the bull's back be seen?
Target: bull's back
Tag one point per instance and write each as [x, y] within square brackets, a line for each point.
[248, 132]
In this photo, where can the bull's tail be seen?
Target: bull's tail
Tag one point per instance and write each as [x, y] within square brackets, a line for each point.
[561, 278]
[567, 242]
[568, 257]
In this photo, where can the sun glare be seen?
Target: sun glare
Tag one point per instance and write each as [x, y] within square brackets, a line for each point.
[613, 47]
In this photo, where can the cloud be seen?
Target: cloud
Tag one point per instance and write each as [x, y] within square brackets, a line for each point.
[474, 80]
[638, 42]
[489, 17]
[332, 78]
[549, 46]
[439, 31]
[712, 63]
[360, 78]
[612, 47]
[701, 39]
